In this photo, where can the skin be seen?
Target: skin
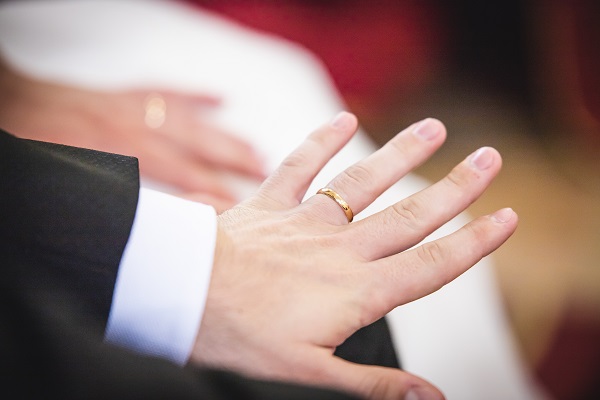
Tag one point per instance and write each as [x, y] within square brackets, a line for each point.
[292, 280]
[174, 154]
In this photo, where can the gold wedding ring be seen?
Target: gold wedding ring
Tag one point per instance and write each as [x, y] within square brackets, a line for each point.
[338, 199]
[155, 108]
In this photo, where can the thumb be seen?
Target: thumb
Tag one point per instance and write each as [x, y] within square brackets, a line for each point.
[377, 383]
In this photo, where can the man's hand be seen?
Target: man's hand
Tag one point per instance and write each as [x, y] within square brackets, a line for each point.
[292, 280]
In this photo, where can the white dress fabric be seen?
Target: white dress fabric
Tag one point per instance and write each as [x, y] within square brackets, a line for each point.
[274, 94]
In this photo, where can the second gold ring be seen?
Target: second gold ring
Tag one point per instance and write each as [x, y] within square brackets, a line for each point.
[338, 199]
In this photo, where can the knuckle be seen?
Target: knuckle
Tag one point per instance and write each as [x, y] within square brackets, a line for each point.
[295, 160]
[478, 235]
[357, 174]
[328, 241]
[438, 261]
[379, 389]
[432, 253]
[409, 212]
[382, 384]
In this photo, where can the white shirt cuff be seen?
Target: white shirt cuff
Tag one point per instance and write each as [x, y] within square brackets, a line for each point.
[163, 277]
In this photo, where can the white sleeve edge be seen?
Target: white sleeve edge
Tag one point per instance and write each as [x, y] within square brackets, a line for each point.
[163, 277]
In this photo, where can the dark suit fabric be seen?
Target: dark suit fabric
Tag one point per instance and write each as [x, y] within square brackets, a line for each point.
[65, 217]
[64, 208]
[370, 345]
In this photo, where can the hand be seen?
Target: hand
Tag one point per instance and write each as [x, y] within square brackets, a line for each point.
[182, 150]
[292, 280]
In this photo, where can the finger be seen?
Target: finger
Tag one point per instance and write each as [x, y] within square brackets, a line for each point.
[165, 163]
[287, 186]
[192, 99]
[225, 151]
[187, 128]
[409, 221]
[178, 99]
[420, 271]
[374, 382]
[363, 182]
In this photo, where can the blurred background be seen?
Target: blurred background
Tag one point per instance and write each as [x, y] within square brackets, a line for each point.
[522, 76]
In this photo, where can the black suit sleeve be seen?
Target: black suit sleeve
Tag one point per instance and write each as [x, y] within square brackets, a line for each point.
[65, 217]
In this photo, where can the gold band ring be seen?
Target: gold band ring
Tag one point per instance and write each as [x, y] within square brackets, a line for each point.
[155, 108]
[338, 199]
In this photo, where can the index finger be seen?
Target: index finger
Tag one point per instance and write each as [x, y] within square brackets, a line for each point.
[287, 185]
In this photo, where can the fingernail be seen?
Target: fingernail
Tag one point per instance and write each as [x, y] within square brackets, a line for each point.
[342, 121]
[482, 158]
[427, 129]
[421, 394]
[503, 216]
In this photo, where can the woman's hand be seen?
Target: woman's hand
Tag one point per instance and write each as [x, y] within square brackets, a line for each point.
[165, 130]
